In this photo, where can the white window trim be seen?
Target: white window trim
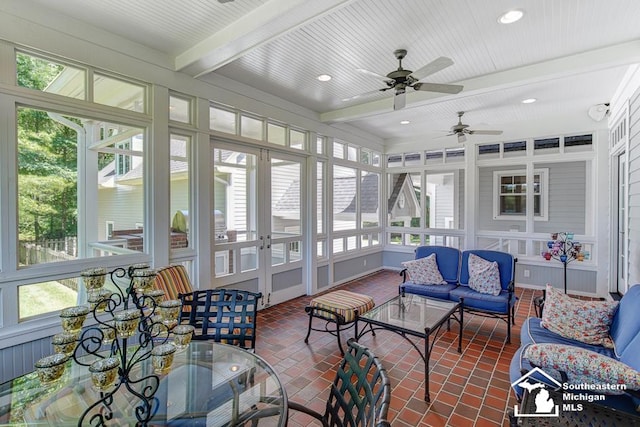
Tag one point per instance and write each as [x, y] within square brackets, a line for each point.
[544, 194]
[107, 225]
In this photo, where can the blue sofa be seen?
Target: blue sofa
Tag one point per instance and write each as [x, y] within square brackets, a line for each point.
[454, 268]
[624, 331]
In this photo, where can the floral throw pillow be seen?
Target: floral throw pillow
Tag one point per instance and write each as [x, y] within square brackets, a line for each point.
[584, 367]
[424, 271]
[484, 276]
[585, 321]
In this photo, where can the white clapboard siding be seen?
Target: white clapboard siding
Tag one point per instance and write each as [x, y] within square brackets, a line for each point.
[123, 206]
[634, 189]
[567, 196]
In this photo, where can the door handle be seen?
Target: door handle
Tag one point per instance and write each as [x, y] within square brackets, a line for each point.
[268, 241]
[261, 243]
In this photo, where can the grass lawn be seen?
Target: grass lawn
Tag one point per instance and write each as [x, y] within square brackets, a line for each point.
[45, 297]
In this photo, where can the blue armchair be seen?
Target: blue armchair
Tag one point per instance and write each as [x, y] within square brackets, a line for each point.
[501, 306]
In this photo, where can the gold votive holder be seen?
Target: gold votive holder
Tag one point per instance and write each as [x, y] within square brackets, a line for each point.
[162, 358]
[155, 295]
[73, 318]
[108, 330]
[64, 343]
[140, 266]
[126, 322]
[169, 310]
[104, 372]
[158, 327]
[98, 299]
[182, 335]
[94, 278]
[143, 279]
[51, 368]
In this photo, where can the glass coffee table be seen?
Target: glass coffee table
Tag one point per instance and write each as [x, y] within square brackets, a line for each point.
[415, 316]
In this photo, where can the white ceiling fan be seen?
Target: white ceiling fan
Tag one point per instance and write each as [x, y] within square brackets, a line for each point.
[461, 130]
[399, 80]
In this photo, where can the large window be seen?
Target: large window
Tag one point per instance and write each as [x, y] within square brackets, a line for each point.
[80, 192]
[356, 197]
[422, 204]
[510, 195]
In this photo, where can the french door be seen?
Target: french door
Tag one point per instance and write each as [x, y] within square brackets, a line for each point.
[259, 221]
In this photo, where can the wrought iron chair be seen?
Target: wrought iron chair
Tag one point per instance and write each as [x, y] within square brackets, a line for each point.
[222, 315]
[360, 393]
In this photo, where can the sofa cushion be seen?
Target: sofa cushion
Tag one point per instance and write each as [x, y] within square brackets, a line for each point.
[424, 271]
[484, 276]
[585, 367]
[585, 321]
[434, 291]
[519, 366]
[532, 332]
[487, 302]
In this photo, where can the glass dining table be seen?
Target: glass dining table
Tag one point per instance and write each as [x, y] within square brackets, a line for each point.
[209, 384]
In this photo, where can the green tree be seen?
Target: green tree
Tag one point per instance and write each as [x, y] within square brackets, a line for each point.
[47, 162]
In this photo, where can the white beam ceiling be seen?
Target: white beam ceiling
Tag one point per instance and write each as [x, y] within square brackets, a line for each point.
[263, 24]
[593, 60]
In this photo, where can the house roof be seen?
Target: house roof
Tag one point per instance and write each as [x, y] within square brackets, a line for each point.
[344, 201]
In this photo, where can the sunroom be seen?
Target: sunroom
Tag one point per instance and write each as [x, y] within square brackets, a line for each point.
[115, 152]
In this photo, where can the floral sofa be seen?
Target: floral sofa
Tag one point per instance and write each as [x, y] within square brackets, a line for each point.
[589, 347]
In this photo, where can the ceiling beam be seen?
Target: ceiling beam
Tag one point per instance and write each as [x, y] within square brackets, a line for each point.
[263, 24]
[593, 60]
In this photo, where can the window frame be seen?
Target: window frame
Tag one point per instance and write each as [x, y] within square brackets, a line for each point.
[544, 194]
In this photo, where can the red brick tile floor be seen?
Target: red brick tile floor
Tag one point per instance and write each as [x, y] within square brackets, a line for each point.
[467, 389]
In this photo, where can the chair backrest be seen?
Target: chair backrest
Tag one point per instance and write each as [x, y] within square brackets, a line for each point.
[361, 392]
[223, 315]
[506, 265]
[173, 280]
[447, 258]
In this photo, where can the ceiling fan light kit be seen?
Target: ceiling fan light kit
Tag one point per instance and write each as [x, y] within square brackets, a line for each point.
[399, 80]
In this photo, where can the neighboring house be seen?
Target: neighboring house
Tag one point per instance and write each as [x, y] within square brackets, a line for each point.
[403, 203]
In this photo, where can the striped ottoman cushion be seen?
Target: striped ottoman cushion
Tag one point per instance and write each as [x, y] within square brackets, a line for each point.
[344, 303]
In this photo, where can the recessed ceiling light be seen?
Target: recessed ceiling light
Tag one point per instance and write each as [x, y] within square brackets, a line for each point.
[511, 16]
[324, 77]
[404, 122]
[529, 100]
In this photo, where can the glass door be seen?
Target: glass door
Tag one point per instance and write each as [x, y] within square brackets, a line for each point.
[258, 221]
[285, 272]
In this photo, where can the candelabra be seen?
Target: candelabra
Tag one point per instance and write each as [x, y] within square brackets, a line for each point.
[563, 248]
[132, 325]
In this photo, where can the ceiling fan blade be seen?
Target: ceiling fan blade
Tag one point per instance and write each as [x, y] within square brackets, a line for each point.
[444, 136]
[399, 100]
[462, 137]
[438, 87]
[485, 132]
[372, 74]
[432, 67]
[363, 95]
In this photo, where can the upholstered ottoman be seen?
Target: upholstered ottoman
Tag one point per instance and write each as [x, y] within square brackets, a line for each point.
[339, 308]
